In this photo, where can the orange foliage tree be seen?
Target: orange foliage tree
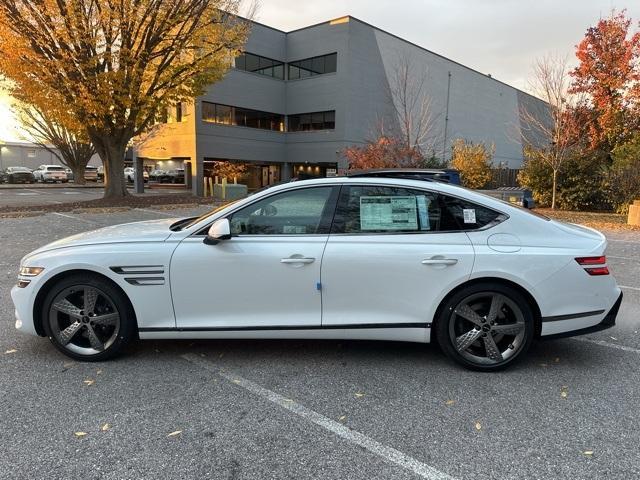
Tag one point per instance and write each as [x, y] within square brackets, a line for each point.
[114, 66]
[609, 75]
[384, 152]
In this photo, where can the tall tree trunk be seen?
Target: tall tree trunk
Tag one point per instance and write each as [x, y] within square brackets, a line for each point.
[112, 154]
[78, 173]
[553, 191]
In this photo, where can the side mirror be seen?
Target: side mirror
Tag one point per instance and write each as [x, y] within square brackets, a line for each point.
[220, 230]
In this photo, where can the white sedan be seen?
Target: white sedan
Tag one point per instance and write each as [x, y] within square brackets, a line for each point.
[339, 258]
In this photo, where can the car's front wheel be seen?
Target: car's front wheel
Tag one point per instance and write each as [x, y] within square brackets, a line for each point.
[485, 326]
[87, 318]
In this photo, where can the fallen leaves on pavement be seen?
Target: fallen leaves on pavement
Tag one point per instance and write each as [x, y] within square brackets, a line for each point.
[80, 434]
[105, 427]
[174, 434]
[478, 426]
[8, 352]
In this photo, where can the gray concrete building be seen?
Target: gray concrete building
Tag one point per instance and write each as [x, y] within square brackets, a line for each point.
[31, 155]
[294, 100]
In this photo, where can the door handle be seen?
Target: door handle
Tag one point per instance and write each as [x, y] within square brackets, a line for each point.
[440, 261]
[297, 260]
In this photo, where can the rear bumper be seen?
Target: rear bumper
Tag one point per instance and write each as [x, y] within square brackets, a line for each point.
[608, 321]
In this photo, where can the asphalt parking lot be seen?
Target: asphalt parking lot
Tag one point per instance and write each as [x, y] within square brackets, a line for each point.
[37, 194]
[303, 409]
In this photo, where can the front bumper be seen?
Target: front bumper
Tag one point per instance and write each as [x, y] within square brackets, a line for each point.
[608, 321]
[23, 302]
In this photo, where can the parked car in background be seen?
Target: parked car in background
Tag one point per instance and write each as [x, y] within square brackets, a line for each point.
[16, 175]
[70, 175]
[129, 175]
[157, 175]
[100, 172]
[448, 175]
[175, 176]
[50, 173]
[91, 173]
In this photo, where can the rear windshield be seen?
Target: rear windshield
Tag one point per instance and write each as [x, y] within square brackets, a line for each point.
[56, 169]
[91, 169]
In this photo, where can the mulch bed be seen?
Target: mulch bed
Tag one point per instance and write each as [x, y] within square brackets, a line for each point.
[597, 220]
[131, 201]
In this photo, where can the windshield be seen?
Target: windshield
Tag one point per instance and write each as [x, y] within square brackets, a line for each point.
[206, 215]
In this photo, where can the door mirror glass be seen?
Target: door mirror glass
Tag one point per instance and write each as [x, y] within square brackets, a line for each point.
[220, 230]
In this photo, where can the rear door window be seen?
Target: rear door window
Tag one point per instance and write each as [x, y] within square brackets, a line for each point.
[373, 209]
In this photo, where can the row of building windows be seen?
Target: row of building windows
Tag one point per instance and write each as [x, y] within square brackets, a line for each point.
[261, 65]
[308, 67]
[245, 117]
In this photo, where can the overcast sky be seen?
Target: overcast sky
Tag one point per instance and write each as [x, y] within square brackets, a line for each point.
[500, 37]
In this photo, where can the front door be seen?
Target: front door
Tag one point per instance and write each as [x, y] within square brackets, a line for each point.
[266, 275]
[392, 254]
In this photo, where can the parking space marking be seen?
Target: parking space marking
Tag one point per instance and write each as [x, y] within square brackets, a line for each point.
[76, 218]
[27, 194]
[388, 454]
[630, 288]
[603, 343]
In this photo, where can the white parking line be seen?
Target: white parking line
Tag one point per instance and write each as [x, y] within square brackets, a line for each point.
[76, 218]
[623, 258]
[388, 454]
[603, 343]
[629, 288]
[27, 194]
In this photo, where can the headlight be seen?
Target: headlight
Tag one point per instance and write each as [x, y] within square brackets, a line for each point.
[30, 271]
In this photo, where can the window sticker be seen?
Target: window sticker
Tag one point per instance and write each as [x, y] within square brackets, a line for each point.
[469, 215]
[423, 211]
[388, 213]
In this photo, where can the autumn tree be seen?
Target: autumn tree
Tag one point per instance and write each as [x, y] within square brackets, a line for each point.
[113, 67]
[473, 161]
[68, 143]
[230, 170]
[608, 74]
[549, 134]
[386, 152]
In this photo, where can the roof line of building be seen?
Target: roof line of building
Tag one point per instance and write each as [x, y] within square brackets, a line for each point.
[402, 40]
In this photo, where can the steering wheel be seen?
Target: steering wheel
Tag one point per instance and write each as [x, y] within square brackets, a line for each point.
[268, 211]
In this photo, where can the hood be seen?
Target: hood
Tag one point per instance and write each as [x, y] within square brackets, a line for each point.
[147, 231]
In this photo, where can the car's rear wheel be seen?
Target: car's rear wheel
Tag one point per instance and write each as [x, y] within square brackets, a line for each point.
[87, 318]
[485, 326]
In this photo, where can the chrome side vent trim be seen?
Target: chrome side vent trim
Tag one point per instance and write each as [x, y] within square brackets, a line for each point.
[145, 281]
[139, 270]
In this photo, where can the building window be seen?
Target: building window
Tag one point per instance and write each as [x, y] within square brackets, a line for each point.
[179, 112]
[306, 122]
[242, 117]
[260, 65]
[31, 153]
[311, 67]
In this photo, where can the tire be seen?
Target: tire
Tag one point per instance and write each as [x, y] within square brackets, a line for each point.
[485, 327]
[87, 318]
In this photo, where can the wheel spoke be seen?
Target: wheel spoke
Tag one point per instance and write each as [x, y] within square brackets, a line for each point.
[108, 319]
[90, 297]
[67, 334]
[68, 308]
[93, 338]
[497, 301]
[510, 329]
[465, 340]
[467, 313]
[493, 353]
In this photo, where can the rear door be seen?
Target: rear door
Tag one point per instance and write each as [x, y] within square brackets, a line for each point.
[392, 255]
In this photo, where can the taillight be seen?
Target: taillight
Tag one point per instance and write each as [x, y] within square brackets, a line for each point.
[597, 271]
[592, 260]
[584, 261]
